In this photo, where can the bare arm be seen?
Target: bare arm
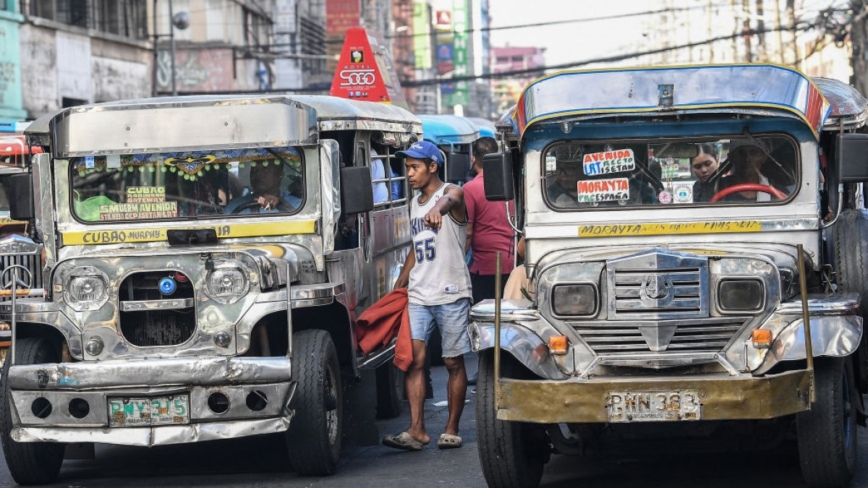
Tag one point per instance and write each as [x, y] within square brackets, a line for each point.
[404, 278]
[469, 239]
[452, 202]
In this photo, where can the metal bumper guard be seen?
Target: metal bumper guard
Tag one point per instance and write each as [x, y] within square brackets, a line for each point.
[721, 397]
[96, 382]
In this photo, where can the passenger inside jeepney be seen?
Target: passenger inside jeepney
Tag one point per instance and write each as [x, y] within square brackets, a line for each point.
[705, 166]
[764, 162]
[269, 192]
[563, 191]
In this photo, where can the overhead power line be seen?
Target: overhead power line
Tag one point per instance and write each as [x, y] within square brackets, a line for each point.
[605, 59]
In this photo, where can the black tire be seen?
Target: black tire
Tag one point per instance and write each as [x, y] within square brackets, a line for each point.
[851, 271]
[314, 436]
[30, 463]
[390, 391]
[827, 433]
[512, 454]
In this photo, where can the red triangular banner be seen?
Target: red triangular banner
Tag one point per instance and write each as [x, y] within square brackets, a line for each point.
[365, 71]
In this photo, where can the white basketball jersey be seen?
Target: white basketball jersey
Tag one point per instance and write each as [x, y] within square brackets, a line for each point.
[440, 275]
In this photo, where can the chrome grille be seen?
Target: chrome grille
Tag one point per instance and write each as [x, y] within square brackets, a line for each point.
[657, 285]
[611, 338]
[684, 291]
[32, 262]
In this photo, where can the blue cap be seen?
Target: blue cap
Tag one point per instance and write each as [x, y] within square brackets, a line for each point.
[422, 150]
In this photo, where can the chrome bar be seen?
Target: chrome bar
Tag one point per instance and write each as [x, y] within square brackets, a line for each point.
[806, 319]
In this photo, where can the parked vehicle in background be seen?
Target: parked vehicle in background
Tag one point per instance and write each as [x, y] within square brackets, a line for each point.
[660, 319]
[203, 280]
[454, 135]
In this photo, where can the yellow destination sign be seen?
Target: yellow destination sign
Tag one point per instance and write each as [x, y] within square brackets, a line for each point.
[90, 238]
[672, 228]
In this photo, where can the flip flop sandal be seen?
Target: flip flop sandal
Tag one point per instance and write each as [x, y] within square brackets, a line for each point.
[449, 441]
[403, 441]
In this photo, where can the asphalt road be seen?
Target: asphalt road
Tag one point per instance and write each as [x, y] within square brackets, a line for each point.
[261, 463]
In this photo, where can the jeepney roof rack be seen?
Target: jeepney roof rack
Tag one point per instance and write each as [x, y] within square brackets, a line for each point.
[619, 91]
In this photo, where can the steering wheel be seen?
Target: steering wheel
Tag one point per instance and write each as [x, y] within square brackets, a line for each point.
[748, 187]
[281, 205]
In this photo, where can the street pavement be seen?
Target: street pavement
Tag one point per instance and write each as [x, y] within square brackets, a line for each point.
[261, 462]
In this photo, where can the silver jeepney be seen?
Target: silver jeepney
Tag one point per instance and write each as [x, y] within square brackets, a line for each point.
[164, 316]
[660, 306]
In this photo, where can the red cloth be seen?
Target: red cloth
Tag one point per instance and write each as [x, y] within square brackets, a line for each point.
[379, 324]
[491, 230]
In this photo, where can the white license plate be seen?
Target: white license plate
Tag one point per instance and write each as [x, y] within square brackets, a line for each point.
[144, 412]
[653, 406]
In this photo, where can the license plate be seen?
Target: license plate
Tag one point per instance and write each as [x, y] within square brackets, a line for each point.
[653, 406]
[144, 412]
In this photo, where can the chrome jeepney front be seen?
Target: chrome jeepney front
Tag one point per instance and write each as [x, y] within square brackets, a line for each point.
[141, 347]
[661, 312]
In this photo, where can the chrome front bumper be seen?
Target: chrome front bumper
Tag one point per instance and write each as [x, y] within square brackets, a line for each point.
[96, 382]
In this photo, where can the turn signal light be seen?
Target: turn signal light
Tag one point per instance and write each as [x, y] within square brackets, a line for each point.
[558, 345]
[761, 338]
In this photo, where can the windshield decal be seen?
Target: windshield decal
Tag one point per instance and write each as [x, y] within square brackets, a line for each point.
[656, 229]
[610, 190]
[604, 163]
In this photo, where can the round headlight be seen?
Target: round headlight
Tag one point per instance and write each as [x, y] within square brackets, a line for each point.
[226, 283]
[86, 288]
[575, 300]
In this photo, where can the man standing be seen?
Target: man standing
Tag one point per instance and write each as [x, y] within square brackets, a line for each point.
[439, 292]
[488, 230]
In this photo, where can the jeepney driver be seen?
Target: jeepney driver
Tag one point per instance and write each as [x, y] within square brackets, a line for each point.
[265, 195]
[752, 163]
[564, 191]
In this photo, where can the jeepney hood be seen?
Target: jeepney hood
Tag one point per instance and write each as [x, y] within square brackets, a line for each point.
[781, 255]
[281, 260]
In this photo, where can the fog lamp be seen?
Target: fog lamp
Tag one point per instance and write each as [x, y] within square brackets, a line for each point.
[222, 339]
[575, 300]
[740, 295]
[94, 346]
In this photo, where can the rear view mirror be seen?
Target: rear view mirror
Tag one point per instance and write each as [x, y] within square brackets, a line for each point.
[851, 157]
[357, 191]
[457, 166]
[20, 191]
[497, 179]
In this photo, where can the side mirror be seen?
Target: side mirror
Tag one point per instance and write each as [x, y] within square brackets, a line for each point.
[357, 191]
[457, 166]
[851, 157]
[497, 168]
[20, 189]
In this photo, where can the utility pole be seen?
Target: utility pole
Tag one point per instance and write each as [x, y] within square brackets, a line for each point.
[710, 31]
[858, 38]
[761, 29]
[745, 31]
[780, 24]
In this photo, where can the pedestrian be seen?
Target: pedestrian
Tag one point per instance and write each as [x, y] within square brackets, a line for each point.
[488, 230]
[439, 292]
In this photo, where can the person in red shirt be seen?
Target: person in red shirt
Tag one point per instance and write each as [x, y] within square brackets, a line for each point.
[488, 230]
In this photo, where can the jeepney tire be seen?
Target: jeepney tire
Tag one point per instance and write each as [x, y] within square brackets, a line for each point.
[314, 435]
[851, 272]
[29, 463]
[512, 454]
[827, 434]
[390, 391]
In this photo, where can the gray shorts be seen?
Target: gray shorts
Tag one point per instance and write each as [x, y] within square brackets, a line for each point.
[452, 319]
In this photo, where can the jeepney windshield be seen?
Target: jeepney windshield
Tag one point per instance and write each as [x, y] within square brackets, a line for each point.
[196, 184]
[714, 171]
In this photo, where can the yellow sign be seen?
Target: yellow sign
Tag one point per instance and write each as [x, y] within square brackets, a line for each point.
[673, 228]
[90, 238]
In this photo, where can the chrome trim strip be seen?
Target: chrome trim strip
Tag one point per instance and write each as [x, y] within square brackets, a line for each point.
[170, 304]
[215, 371]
